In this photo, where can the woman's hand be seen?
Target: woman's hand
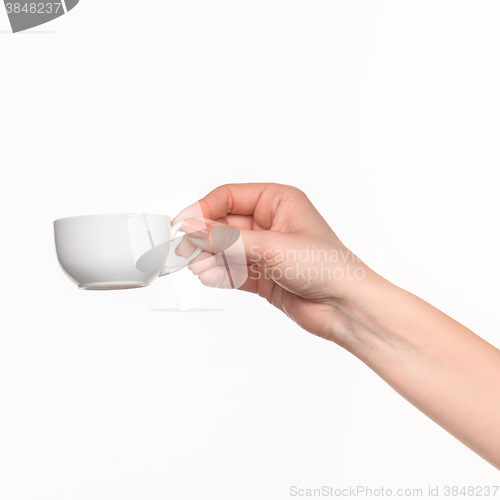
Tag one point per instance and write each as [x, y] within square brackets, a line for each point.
[289, 254]
[291, 257]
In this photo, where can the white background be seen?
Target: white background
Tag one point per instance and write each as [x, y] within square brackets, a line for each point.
[385, 113]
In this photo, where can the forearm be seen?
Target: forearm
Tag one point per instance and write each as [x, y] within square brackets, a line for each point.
[437, 364]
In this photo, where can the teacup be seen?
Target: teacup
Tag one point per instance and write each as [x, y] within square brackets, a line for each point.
[116, 251]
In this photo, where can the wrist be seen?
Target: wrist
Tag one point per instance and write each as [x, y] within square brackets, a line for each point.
[373, 318]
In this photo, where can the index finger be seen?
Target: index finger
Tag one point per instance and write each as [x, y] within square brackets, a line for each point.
[259, 199]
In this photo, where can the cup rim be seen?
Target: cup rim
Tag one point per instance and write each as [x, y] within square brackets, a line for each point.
[109, 214]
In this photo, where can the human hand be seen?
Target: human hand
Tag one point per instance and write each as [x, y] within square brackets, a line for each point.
[291, 256]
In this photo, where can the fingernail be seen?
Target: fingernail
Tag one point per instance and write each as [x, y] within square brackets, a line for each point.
[195, 228]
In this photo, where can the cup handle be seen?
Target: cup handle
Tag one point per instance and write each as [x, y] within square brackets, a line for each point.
[178, 267]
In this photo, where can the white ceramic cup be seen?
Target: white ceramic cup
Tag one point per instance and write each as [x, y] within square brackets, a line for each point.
[116, 251]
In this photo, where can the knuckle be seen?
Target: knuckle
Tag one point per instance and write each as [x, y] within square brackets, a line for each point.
[294, 190]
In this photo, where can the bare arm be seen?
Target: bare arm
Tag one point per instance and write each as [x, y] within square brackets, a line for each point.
[437, 364]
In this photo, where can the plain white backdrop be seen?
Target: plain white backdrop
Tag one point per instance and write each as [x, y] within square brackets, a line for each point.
[387, 114]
